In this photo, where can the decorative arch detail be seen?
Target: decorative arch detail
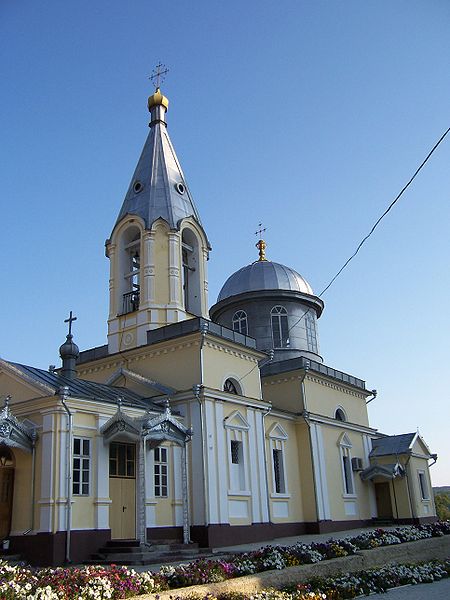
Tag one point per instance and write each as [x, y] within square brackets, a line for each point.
[277, 432]
[236, 421]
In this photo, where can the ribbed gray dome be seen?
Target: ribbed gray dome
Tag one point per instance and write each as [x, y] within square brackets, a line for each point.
[264, 275]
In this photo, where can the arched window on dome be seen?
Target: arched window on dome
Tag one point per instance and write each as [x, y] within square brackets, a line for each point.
[280, 329]
[240, 322]
[311, 333]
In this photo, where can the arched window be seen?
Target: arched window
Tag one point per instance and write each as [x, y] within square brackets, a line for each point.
[231, 387]
[345, 448]
[339, 415]
[240, 322]
[130, 267]
[311, 334]
[191, 273]
[280, 330]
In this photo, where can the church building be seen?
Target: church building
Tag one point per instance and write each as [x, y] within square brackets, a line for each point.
[218, 425]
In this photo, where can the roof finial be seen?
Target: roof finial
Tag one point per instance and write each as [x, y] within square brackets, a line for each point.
[261, 244]
[70, 320]
[158, 103]
[158, 75]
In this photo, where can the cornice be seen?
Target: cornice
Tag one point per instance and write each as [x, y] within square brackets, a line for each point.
[221, 347]
[124, 359]
[349, 390]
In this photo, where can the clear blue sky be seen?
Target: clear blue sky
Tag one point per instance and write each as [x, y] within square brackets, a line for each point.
[308, 116]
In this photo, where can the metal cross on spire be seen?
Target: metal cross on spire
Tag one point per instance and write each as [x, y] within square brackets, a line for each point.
[261, 244]
[70, 320]
[158, 75]
[260, 231]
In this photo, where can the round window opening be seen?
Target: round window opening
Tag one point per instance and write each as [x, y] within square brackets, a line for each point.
[137, 187]
[180, 188]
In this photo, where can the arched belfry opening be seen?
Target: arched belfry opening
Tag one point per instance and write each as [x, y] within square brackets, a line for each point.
[129, 288]
[191, 280]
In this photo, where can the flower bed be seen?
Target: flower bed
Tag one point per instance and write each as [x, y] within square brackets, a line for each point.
[99, 583]
[347, 585]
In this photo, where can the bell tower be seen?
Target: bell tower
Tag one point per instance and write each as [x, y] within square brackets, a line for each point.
[158, 250]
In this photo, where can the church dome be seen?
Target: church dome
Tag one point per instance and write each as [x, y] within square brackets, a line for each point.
[264, 275]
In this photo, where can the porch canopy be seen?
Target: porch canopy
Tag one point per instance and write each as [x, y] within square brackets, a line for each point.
[376, 471]
[13, 433]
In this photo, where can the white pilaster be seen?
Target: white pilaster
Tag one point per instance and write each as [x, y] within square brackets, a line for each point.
[260, 456]
[211, 463]
[196, 464]
[255, 474]
[174, 269]
[320, 475]
[46, 502]
[112, 283]
[102, 501]
[148, 284]
[221, 450]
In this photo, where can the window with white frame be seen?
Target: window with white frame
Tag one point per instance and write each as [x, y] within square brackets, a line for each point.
[240, 322]
[237, 468]
[237, 441]
[278, 441]
[280, 329]
[160, 469]
[81, 466]
[311, 333]
[423, 484]
[345, 448]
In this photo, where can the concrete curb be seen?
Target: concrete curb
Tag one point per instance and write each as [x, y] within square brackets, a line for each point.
[409, 552]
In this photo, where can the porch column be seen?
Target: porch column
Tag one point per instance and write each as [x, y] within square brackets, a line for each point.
[142, 523]
[184, 483]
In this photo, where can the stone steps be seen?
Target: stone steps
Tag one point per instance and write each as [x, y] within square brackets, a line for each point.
[131, 552]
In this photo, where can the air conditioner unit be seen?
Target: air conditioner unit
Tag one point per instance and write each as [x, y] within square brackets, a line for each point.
[357, 464]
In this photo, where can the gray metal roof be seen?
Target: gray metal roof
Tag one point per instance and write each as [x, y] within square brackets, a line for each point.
[159, 174]
[392, 444]
[264, 275]
[81, 388]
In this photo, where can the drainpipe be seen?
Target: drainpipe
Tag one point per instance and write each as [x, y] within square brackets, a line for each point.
[374, 395]
[64, 392]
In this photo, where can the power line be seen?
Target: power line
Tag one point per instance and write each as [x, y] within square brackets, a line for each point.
[374, 226]
[378, 221]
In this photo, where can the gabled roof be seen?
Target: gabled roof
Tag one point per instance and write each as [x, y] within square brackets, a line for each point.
[158, 188]
[81, 388]
[393, 444]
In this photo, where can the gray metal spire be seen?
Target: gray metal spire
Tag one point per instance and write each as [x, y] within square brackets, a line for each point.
[158, 188]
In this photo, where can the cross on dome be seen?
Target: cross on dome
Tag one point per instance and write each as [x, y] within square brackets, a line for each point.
[158, 75]
[261, 244]
[70, 320]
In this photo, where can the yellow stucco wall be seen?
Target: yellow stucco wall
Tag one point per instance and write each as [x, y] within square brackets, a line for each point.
[324, 396]
[294, 484]
[284, 391]
[225, 361]
[338, 499]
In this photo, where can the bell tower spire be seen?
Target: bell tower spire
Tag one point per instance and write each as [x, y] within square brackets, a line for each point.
[158, 249]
